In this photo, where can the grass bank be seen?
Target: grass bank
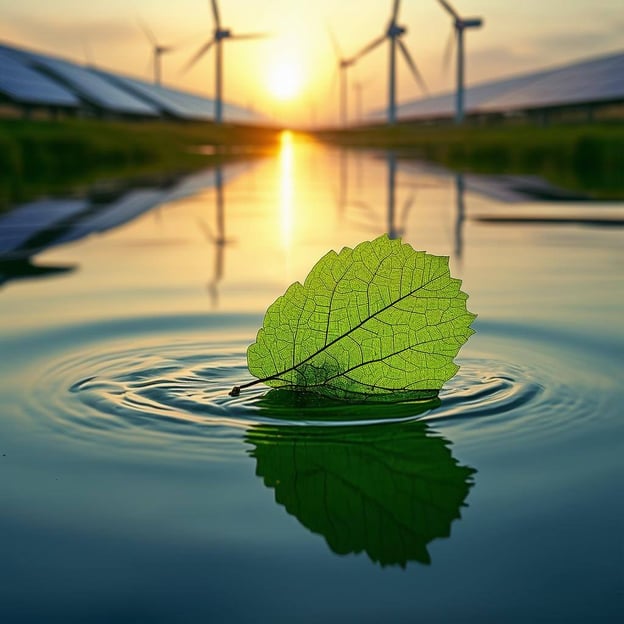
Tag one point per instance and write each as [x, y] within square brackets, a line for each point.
[53, 156]
[588, 159]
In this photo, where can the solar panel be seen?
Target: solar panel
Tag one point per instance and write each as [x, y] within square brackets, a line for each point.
[86, 84]
[169, 101]
[598, 80]
[104, 90]
[176, 103]
[475, 98]
[24, 85]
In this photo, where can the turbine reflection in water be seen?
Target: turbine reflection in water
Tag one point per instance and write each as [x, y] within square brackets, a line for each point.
[217, 238]
[363, 216]
[384, 489]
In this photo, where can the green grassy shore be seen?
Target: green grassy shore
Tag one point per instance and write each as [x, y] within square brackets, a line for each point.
[588, 159]
[55, 156]
[47, 157]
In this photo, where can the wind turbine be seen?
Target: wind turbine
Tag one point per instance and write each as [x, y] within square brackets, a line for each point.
[393, 34]
[459, 24]
[220, 34]
[343, 66]
[157, 49]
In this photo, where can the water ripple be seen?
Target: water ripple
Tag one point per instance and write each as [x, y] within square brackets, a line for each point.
[162, 391]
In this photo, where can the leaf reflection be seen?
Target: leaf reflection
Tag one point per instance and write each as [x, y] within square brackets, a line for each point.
[383, 489]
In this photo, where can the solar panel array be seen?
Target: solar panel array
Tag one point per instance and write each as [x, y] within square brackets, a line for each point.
[28, 77]
[587, 82]
[26, 86]
[475, 98]
[176, 103]
[88, 86]
[168, 101]
[37, 79]
[598, 80]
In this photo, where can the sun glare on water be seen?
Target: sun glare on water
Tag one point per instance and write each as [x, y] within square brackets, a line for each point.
[284, 80]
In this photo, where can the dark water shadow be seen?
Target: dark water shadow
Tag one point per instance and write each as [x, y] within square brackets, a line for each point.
[25, 269]
[611, 223]
[386, 489]
[291, 405]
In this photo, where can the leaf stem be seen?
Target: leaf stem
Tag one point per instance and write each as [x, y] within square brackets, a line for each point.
[235, 391]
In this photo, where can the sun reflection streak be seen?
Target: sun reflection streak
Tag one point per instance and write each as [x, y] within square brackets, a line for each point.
[286, 190]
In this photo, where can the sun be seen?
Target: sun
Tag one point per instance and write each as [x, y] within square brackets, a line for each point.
[284, 80]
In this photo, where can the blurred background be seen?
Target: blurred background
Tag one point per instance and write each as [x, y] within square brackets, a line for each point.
[289, 76]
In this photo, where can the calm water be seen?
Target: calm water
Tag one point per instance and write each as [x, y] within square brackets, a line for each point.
[133, 488]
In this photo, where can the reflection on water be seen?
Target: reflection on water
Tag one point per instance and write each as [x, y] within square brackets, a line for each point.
[386, 490]
[217, 238]
[26, 269]
[124, 464]
[394, 229]
[396, 217]
[286, 193]
[380, 197]
[459, 220]
[35, 227]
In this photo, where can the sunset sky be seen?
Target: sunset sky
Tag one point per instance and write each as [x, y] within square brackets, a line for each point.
[291, 75]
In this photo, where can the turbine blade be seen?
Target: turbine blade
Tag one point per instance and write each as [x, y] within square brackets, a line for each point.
[215, 13]
[198, 55]
[334, 42]
[448, 50]
[147, 32]
[250, 36]
[371, 46]
[395, 11]
[412, 66]
[449, 9]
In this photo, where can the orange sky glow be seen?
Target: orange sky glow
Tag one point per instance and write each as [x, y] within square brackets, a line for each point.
[291, 75]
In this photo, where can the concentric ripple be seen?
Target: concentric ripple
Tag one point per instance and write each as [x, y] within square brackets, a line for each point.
[177, 390]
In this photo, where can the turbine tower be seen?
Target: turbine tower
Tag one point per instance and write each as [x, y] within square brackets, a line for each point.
[220, 34]
[343, 66]
[459, 25]
[157, 50]
[393, 34]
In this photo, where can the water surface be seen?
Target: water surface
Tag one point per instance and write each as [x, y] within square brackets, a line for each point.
[134, 488]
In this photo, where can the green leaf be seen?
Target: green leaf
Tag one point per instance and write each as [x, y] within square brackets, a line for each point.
[384, 490]
[377, 322]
